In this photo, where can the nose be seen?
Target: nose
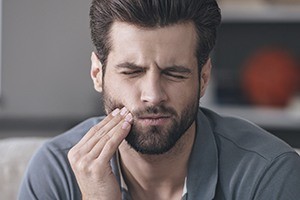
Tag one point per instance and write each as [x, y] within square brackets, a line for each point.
[153, 91]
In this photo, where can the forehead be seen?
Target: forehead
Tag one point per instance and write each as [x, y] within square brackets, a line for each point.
[167, 44]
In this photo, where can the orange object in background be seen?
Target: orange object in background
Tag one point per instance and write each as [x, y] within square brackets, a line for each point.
[270, 77]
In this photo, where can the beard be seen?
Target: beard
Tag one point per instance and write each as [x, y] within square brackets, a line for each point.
[156, 139]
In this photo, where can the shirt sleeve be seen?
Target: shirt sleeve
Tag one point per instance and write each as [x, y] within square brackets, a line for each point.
[49, 176]
[281, 179]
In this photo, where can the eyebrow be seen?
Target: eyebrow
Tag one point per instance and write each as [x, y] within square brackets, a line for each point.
[174, 68]
[179, 69]
[128, 65]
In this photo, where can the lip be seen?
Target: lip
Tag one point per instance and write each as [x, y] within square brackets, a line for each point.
[154, 116]
[154, 120]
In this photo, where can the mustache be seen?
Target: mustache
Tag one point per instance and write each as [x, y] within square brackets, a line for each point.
[155, 110]
[161, 109]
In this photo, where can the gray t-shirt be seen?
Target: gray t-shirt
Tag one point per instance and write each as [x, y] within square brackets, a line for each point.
[231, 159]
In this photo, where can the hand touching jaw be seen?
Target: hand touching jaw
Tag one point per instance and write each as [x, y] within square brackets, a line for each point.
[90, 158]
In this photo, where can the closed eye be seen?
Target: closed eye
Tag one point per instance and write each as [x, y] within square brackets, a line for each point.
[136, 72]
[175, 75]
[130, 69]
[177, 72]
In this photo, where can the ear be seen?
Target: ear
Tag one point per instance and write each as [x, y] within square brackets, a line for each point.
[96, 72]
[205, 76]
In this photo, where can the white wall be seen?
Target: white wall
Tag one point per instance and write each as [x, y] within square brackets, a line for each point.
[46, 50]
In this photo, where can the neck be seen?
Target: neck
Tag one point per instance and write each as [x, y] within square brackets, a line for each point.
[157, 176]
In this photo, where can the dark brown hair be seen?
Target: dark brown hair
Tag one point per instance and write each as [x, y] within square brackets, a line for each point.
[205, 14]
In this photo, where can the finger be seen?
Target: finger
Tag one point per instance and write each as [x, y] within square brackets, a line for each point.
[119, 134]
[106, 128]
[89, 144]
[111, 124]
[115, 133]
[86, 144]
[95, 129]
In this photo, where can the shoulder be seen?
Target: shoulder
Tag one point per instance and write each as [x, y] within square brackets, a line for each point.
[49, 175]
[71, 137]
[60, 145]
[251, 161]
[243, 135]
[54, 151]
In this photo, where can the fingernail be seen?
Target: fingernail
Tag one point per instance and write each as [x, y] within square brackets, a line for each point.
[123, 111]
[115, 112]
[128, 117]
[125, 125]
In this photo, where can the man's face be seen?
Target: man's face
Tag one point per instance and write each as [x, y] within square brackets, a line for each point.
[154, 74]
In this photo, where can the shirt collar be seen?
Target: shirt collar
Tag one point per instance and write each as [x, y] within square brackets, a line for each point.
[124, 185]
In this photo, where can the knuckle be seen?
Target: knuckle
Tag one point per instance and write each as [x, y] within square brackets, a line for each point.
[110, 144]
[118, 117]
[89, 169]
[73, 156]
[94, 129]
[83, 166]
[93, 168]
[105, 138]
[102, 138]
[101, 133]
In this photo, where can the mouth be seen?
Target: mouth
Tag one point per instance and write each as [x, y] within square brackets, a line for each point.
[154, 120]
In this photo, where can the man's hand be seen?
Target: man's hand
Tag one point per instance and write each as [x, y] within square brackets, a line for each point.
[90, 158]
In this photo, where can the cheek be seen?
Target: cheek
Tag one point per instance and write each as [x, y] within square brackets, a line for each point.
[185, 99]
[185, 96]
[122, 92]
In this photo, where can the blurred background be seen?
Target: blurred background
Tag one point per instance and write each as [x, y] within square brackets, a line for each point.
[45, 66]
[256, 73]
[45, 76]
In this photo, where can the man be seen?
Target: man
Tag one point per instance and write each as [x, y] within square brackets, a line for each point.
[152, 65]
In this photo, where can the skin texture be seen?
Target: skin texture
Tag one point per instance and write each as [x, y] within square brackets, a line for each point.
[90, 157]
[154, 74]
